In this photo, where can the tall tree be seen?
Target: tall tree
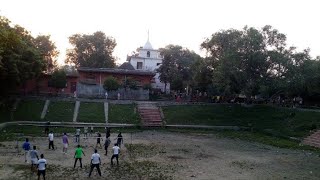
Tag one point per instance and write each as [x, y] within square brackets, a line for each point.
[252, 61]
[176, 67]
[20, 59]
[48, 51]
[58, 79]
[91, 50]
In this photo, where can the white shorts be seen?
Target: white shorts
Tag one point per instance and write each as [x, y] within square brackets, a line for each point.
[65, 145]
[34, 161]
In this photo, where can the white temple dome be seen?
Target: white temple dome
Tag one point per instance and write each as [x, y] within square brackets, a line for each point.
[147, 45]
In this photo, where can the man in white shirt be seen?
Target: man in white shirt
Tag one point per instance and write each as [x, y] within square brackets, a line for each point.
[51, 140]
[106, 94]
[116, 151]
[78, 135]
[95, 162]
[42, 164]
[85, 132]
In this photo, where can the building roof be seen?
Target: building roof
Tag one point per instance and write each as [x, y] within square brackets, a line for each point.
[148, 45]
[127, 66]
[117, 71]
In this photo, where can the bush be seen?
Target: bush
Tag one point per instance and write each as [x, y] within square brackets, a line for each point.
[111, 84]
[147, 86]
[131, 83]
[58, 79]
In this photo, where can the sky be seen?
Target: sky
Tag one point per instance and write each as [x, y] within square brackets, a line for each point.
[182, 22]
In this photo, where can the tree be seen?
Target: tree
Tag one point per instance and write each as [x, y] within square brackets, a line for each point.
[20, 59]
[202, 75]
[91, 50]
[131, 83]
[176, 67]
[58, 79]
[48, 51]
[111, 84]
[166, 71]
[257, 61]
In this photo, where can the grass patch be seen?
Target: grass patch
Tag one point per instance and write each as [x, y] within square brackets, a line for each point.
[19, 132]
[91, 112]
[123, 113]
[251, 137]
[281, 121]
[6, 113]
[29, 110]
[60, 111]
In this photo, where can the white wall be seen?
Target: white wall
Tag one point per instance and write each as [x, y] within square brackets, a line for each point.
[150, 64]
[153, 53]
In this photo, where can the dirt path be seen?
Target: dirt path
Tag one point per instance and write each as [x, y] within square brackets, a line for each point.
[166, 155]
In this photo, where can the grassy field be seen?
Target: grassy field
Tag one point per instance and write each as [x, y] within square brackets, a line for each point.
[91, 112]
[5, 114]
[277, 121]
[60, 111]
[29, 110]
[15, 132]
[123, 114]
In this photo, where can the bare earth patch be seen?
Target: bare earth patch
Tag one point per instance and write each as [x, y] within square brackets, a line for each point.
[167, 155]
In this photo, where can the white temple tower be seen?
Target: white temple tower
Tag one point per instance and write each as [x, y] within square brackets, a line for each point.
[149, 59]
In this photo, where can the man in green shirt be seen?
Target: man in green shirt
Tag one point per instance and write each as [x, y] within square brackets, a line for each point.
[78, 155]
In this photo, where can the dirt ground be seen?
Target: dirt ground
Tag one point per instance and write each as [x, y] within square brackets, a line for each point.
[168, 155]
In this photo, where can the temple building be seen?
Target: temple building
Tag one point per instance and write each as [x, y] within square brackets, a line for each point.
[149, 59]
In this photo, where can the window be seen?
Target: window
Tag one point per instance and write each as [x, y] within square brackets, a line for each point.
[139, 65]
[148, 54]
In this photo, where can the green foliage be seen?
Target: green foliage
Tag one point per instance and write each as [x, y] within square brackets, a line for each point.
[48, 51]
[20, 59]
[91, 50]
[58, 79]
[131, 83]
[147, 86]
[277, 121]
[257, 61]
[176, 67]
[111, 84]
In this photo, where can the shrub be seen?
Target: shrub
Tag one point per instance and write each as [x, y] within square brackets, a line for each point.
[111, 84]
[147, 86]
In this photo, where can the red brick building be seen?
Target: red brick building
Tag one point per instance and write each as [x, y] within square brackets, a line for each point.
[94, 76]
[41, 85]
[98, 75]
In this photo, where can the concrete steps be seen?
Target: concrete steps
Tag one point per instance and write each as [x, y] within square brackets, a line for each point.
[150, 114]
[313, 139]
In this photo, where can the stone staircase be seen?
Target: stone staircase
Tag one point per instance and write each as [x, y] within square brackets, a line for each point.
[313, 139]
[150, 114]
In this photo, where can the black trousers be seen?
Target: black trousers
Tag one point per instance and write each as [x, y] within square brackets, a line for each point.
[75, 162]
[43, 172]
[51, 144]
[92, 167]
[115, 156]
